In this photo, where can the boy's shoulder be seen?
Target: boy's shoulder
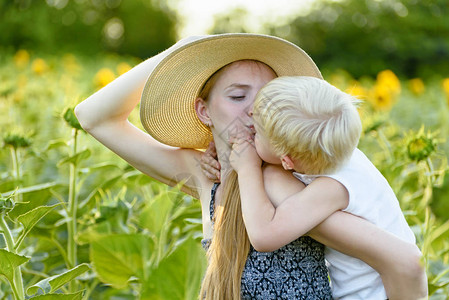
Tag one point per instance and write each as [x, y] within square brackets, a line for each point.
[279, 183]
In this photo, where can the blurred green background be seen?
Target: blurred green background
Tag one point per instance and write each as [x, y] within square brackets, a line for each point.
[117, 234]
[410, 37]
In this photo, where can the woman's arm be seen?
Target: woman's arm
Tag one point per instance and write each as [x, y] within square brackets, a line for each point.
[105, 116]
[398, 262]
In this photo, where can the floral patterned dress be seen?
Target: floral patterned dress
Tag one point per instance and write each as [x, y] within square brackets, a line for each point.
[295, 271]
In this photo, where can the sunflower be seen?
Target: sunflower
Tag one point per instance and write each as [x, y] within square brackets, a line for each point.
[381, 97]
[103, 77]
[122, 68]
[39, 66]
[388, 79]
[416, 85]
[21, 58]
[445, 84]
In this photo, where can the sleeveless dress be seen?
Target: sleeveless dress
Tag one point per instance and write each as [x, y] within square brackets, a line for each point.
[295, 271]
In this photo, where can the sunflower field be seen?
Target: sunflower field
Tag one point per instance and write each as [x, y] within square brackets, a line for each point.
[76, 222]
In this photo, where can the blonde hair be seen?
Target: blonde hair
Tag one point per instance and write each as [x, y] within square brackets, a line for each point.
[229, 248]
[310, 120]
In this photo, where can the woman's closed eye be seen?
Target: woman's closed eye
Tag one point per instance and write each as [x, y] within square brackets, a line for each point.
[237, 97]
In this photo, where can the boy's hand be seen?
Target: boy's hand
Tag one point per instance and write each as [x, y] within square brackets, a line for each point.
[243, 154]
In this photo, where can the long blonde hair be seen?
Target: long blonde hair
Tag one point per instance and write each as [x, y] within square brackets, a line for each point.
[229, 248]
[230, 244]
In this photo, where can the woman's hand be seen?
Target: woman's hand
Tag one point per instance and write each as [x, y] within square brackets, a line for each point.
[209, 163]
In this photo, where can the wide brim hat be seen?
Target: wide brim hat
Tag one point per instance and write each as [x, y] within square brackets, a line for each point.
[167, 109]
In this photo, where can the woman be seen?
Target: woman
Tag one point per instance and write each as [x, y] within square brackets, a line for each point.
[174, 114]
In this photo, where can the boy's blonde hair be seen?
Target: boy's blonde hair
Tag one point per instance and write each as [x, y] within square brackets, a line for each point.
[310, 120]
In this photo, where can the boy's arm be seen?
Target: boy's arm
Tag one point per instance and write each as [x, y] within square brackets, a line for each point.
[270, 227]
[398, 263]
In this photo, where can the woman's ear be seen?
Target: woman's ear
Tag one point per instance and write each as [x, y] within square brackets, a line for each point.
[287, 162]
[202, 111]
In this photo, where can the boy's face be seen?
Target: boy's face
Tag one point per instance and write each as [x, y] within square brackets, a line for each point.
[264, 148]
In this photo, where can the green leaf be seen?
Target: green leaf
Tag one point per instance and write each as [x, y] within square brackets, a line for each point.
[70, 118]
[75, 159]
[51, 284]
[156, 213]
[54, 144]
[102, 167]
[8, 262]
[118, 258]
[31, 201]
[76, 296]
[94, 232]
[104, 186]
[30, 189]
[179, 275]
[31, 218]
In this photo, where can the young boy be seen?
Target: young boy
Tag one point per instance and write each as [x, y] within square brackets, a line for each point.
[313, 128]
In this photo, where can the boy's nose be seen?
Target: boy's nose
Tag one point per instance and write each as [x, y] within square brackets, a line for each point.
[250, 110]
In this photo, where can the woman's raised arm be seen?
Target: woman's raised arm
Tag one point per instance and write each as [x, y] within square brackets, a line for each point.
[105, 116]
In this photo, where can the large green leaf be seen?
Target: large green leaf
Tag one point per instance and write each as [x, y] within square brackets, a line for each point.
[179, 275]
[8, 262]
[156, 213]
[76, 296]
[51, 284]
[31, 218]
[118, 258]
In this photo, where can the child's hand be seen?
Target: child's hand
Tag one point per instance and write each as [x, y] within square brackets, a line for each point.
[209, 163]
[243, 152]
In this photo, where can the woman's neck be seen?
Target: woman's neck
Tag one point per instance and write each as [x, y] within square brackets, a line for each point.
[223, 152]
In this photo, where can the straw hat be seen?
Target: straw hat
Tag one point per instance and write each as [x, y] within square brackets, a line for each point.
[167, 106]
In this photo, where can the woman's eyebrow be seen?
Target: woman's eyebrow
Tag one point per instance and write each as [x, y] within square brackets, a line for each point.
[238, 85]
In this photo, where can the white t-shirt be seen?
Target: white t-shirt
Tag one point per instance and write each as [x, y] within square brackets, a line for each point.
[370, 197]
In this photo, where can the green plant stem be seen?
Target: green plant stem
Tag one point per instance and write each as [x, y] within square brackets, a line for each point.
[71, 224]
[385, 144]
[16, 170]
[17, 284]
[15, 162]
[90, 288]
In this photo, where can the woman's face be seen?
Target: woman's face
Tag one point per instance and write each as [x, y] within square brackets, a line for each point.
[231, 98]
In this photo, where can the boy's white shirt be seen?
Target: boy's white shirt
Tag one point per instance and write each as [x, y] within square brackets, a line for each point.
[372, 198]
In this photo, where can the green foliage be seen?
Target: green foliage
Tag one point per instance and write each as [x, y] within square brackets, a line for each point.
[70, 118]
[96, 228]
[75, 296]
[139, 28]
[8, 262]
[52, 284]
[363, 37]
[60, 207]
